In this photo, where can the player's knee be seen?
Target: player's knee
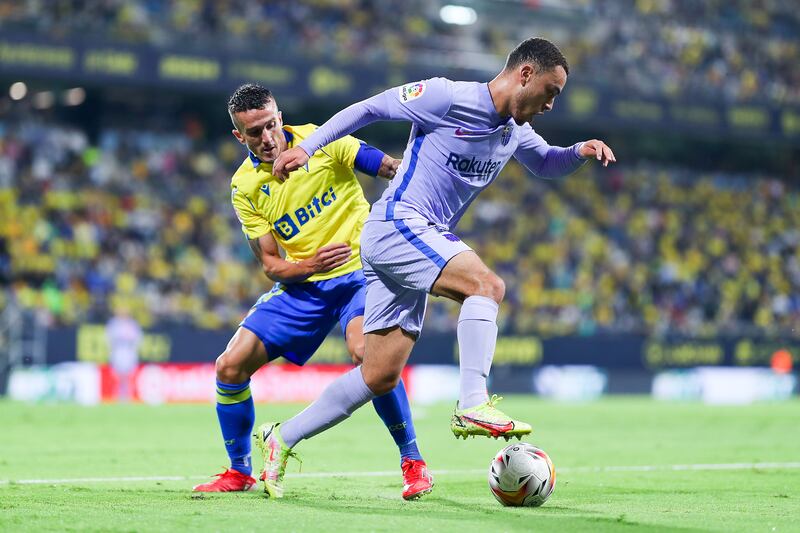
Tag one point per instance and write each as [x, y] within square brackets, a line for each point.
[497, 287]
[356, 351]
[382, 382]
[229, 370]
[490, 285]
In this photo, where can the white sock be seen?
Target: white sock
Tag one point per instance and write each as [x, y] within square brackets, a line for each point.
[477, 336]
[337, 402]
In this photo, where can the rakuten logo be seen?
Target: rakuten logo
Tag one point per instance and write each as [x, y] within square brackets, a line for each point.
[472, 167]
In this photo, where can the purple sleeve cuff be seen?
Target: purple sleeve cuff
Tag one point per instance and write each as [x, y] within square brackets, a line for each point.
[561, 161]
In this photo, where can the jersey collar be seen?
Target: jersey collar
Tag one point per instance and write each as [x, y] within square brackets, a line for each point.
[288, 135]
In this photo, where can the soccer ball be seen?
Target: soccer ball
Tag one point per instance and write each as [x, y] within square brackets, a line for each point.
[522, 475]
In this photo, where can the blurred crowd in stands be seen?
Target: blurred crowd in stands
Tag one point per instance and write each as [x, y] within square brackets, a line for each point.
[143, 220]
[736, 50]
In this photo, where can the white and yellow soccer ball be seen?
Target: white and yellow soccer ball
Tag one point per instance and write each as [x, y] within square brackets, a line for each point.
[522, 475]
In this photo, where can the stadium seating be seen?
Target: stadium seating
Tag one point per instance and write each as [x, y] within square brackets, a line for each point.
[731, 50]
[140, 217]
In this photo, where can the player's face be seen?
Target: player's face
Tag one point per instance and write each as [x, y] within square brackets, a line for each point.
[261, 130]
[537, 93]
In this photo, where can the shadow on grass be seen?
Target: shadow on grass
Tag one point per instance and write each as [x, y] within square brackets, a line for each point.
[444, 514]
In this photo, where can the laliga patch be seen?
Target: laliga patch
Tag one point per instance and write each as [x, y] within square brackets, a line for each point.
[411, 91]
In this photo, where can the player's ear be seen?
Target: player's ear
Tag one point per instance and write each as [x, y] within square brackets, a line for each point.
[238, 135]
[526, 73]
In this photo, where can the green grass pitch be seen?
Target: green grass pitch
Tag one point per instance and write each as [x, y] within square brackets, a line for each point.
[145, 460]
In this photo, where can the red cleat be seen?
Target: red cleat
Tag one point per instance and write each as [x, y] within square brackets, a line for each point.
[417, 481]
[229, 481]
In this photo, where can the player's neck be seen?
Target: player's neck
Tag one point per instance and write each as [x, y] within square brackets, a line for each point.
[500, 91]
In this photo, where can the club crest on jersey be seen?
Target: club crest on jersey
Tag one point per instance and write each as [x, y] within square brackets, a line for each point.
[506, 135]
[411, 91]
[265, 189]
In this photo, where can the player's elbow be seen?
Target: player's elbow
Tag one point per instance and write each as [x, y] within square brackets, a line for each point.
[270, 274]
[273, 274]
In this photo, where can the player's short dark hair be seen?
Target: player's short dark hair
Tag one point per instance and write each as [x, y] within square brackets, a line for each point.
[540, 53]
[247, 97]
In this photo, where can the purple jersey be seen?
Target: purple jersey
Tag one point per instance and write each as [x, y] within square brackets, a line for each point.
[457, 147]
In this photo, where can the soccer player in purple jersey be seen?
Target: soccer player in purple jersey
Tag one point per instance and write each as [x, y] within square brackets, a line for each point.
[305, 234]
[462, 135]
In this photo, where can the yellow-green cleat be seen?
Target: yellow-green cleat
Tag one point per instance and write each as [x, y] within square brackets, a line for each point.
[275, 454]
[487, 420]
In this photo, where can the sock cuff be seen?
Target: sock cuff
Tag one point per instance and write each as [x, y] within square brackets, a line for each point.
[479, 308]
[357, 388]
[228, 394]
[233, 387]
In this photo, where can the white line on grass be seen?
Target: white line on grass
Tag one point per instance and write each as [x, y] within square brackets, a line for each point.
[393, 473]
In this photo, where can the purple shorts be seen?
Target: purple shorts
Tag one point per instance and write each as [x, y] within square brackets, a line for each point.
[402, 260]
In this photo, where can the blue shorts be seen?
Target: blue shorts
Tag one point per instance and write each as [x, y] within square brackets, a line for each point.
[292, 320]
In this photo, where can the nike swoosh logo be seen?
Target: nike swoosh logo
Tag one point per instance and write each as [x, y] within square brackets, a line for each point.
[461, 132]
[492, 427]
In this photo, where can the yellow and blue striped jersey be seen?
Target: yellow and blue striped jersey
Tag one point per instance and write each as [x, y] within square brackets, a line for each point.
[320, 204]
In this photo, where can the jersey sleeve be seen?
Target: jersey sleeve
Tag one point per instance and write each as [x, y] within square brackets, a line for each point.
[424, 103]
[544, 160]
[254, 225]
[344, 150]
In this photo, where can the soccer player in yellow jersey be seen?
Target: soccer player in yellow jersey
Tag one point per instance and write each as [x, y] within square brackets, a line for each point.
[317, 221]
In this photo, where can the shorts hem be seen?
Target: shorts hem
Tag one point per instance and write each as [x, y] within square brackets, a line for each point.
[268, 346]
[375, 326]
[344, 322]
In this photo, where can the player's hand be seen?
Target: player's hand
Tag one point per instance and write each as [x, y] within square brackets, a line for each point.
[329, 257]
[289, 161]
[599, 150]
[388, 167]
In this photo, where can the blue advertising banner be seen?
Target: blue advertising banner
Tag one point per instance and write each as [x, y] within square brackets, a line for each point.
[622, 352]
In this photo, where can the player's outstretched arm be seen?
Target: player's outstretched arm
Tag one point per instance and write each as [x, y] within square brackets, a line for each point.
[280, 270]
[594, 149]
[548, 161]
[422, 103]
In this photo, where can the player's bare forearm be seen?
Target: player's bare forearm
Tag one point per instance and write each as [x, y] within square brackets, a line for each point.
[277, 269]
[388, 167]
[274, 266]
